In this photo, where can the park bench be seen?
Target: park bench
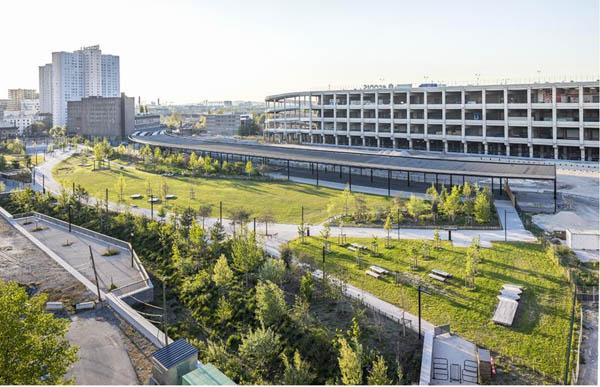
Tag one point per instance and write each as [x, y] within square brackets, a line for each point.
[509, 295]
[514, 288]
[437, 277]
[168, 197]
[372, 274]
[351, 248]
[136, 196]
[505, 311]
[378, 270]
[358, 246]
[441, 273]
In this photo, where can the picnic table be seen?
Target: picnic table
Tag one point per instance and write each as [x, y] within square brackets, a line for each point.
[378, 270]
[441, 273]
[437, 277]
[509, 294]
[514, 288]
[372, 274]
[505, 311]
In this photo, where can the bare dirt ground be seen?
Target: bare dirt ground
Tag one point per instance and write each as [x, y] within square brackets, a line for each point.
[100, 334]
[588, 371]
[579, 193]
[21, 261]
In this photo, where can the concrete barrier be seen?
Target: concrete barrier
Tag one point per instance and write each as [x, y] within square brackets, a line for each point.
[54, 306]
[85, 305]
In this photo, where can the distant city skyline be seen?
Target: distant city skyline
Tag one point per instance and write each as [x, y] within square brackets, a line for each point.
[191, 51]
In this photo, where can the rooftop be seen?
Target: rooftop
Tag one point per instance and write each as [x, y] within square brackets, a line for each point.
[174, 353]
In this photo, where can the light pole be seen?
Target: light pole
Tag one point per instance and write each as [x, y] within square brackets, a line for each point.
[505, 228]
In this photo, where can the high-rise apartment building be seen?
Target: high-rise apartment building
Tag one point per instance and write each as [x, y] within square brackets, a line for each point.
[15, 96]
[45, 84]
[80, 74]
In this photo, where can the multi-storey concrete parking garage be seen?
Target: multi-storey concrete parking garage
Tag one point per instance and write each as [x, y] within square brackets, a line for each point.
[540, 120]
[371, 169]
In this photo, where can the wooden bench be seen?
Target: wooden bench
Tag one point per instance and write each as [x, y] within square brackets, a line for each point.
[378, 270]
[372, 274]
[352, 248]
[510, 294]
[437, 277]
[441, 273]
[513, 288]
[505, 311]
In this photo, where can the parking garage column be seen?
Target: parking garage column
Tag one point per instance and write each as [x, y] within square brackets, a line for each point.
[581, 131]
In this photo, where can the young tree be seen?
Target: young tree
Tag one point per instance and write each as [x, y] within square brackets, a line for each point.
[247, 255]
[266, 217]
[273, 270]
[345, 198]
[326, 232]
[33, 347]
[471, 263]
[239, 215]
[361, 211]
[482, 207]
[204, 212]
[164, 187]
[379, 372]
[249, 168]
[259, 350]
[270, 303]
[451, 205]
[437, 241]
[120, 187]
[307, 286]
[416, 207]
[222, 275]
[388, 227]
[297, 372]
[350, 363]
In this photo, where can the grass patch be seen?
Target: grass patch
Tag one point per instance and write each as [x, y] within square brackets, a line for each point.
[284, 199]
[537, 338]
[110, 251]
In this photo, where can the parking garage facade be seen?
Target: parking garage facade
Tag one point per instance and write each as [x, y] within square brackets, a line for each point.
[542, 120]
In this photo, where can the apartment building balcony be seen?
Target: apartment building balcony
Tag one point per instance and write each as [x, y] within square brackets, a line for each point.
[494, 131]
[591, 124]
[417, 121]
[385, 120]
[541, 105]
[355, 119]
[370, 120]
[494, 105]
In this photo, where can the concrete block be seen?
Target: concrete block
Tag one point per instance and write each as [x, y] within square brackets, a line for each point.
[54, 306]
[85, 305]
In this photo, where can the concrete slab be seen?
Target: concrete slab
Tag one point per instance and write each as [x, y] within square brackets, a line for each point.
[112, 270]
[103, 357]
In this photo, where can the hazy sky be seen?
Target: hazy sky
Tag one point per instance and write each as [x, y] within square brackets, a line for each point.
[187, 51]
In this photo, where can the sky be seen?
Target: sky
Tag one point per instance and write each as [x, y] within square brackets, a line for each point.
[190, 51]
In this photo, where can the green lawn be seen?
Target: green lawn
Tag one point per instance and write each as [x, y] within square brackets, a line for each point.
[538, 336]
[283, 198]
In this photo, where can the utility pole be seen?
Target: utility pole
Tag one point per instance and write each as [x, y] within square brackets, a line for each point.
[95, 273]
[165, 313]
[151, 207]
[419, 289]
[221, 213]
[398, 223]
[323, 264]
[70, 218]
[505, 228]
